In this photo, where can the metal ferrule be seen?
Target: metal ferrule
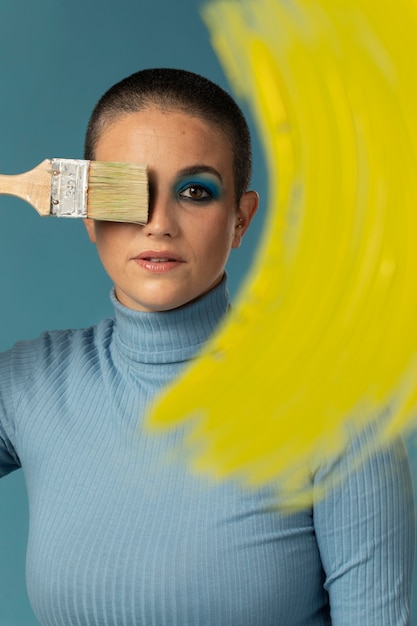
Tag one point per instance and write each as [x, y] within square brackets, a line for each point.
[69, 187]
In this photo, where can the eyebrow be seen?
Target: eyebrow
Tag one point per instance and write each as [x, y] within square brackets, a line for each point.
[200, 169]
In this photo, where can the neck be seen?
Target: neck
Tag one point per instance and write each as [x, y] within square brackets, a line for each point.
[170, 336]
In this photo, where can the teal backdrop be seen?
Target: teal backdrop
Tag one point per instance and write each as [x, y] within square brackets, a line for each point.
[56, 59]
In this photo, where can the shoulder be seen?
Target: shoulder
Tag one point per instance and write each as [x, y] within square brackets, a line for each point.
[368, 456]
[52, 348]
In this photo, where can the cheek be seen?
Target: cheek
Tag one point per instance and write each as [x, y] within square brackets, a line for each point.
[111, 247]
[217, 236]
[105, 245]
[111, 237]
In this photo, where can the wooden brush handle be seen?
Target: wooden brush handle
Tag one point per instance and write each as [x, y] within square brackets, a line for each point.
[33, 186]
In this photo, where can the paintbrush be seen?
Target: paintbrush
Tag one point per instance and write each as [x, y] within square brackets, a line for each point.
[101, 190]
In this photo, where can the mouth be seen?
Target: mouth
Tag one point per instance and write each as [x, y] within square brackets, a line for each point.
[158, 261]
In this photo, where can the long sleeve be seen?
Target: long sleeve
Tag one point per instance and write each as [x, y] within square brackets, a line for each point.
[16, 367]
[365, 531]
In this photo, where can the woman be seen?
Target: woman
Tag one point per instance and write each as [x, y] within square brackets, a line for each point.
[120, 532]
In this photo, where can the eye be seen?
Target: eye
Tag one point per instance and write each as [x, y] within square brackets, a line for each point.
[198, 189]
[195, 192]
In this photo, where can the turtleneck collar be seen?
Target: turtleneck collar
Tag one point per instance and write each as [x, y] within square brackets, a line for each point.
[169, 336]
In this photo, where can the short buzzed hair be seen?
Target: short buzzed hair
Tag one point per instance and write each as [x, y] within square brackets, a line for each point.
[176, 89]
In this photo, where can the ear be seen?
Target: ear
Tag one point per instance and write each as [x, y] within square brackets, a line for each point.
[90, 227]
[248, 206]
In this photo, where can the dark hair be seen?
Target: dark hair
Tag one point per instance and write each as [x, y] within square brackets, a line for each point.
[177, 89]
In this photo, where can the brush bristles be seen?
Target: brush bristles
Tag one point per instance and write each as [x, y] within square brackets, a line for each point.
[118, 192]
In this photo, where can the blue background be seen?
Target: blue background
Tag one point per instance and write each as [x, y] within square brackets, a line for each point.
[56, 59]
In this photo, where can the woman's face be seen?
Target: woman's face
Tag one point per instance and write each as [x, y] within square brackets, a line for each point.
[194, 222]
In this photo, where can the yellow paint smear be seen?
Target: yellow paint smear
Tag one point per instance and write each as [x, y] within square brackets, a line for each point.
[324, 333]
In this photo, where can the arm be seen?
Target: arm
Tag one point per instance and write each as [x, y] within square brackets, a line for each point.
[8, 457]
[365, 531]
[16, 367]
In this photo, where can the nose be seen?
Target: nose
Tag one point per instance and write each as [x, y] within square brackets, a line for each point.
[162, 219]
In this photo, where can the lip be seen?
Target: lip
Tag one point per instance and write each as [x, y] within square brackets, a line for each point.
[158, 261]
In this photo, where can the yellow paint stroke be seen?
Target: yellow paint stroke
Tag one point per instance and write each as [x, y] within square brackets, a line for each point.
[324, 333]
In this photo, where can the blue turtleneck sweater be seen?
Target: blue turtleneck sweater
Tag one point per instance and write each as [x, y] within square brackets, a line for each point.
[121, 534]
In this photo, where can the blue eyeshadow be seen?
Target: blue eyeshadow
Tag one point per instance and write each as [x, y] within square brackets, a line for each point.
[212, 187]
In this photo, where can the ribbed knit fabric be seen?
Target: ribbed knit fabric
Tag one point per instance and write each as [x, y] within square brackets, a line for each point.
[121, 534]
